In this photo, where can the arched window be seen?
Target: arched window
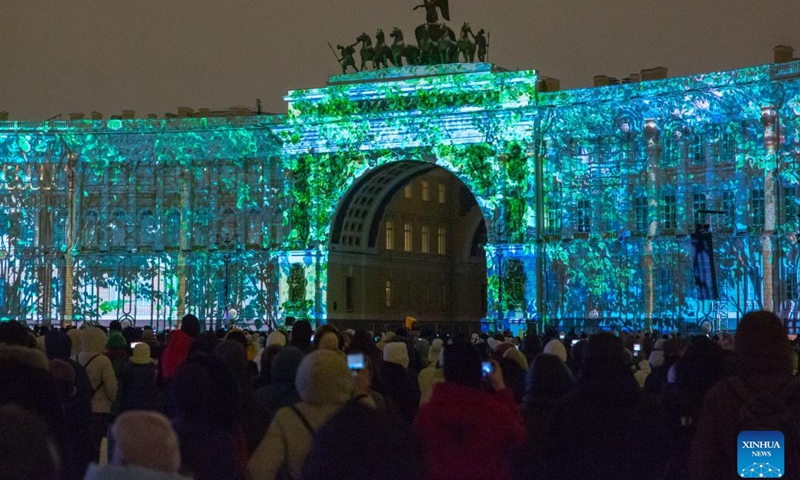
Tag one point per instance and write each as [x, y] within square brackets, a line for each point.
[147, 228]
[173, 228]
[116, 228]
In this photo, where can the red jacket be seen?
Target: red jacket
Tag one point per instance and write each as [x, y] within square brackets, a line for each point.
[175, 353]
[468, 433]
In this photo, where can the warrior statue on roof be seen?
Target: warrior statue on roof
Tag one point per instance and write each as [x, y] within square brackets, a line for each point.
[432, 8]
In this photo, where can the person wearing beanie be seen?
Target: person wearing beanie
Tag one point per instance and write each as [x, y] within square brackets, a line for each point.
[325, 384]
[327, 341]
[102, 379]
[556, 347]
[399, 385]
[276, 338]
[178, 344]
[117, 352]
[138, 389]
[467, 432]
[145, 447]
[432, 374]
[301, 335]
[765, 364]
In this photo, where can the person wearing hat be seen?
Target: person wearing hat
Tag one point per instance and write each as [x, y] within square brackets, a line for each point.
[138, 389]
[432, 374]
[765, 364]
[103, 381]
[117, 351]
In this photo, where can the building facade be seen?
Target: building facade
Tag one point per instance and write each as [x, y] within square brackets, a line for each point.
[588, 198]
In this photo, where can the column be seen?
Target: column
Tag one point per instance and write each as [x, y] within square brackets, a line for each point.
[771, 141]
[653, 150]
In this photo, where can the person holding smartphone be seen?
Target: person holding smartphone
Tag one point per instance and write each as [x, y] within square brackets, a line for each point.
[459, 426]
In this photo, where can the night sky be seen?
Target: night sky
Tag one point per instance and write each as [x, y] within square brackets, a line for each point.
[62, 56]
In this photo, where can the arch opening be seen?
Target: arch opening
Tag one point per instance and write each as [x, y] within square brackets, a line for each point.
[407, 241]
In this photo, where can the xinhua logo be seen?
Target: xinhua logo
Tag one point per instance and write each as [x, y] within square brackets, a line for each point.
[761, 454]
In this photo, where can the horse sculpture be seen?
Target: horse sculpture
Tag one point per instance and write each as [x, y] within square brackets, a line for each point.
[400, 50]
[367, 51]
[429, 37]
[466, 47]
[382, 53]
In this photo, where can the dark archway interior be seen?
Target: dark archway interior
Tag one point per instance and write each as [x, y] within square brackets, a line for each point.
[407, 241]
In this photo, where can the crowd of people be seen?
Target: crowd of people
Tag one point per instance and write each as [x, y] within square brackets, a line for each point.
[130, 403]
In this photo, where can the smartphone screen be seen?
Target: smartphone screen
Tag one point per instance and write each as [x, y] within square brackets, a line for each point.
[355, 361]
[637, 348]
[561, 336]
[575, 342]
[133, 344]
[487, 368]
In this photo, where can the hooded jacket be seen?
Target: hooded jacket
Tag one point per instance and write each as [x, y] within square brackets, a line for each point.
[467, 433]
[324, 383]
[99, 369]
[282, 391]
[175, 353]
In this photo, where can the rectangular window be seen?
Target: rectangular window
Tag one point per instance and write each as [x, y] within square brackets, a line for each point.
[640, 215]
[699, 203]
[553, 218]
[442, 193]
[698, 150]
[388, 293]
[670, 150]
[790, 206]
[669, 216]
[389, 235]
[757, 206]
[729, 206]
[727, 148]
[407, 191]
[349, 294]
[583, 222]
[408, 238]
[426, 196]
[791, 284]
[442, 244]
[426, 241]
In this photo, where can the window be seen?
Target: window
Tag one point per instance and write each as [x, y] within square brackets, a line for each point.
[426, 196]
[408, 238]
[442, 243]
[791, 284]
[442, 193]
[790, 206]
[699, 203]
[583, 223]
[388, 293]
[669, 220]
[426, 241]
[553, 218]
[729, 206]
[670, 149]
[640, 214]
[407, 191]
[727, 148]
[698, 150]
[757, 206]
[389, 235]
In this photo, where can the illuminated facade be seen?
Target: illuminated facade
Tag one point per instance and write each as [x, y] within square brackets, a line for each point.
[588, 197]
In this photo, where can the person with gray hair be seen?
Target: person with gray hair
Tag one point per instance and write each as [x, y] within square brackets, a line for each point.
[144, 447]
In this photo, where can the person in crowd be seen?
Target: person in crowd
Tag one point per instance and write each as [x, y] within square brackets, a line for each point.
[117, 351]
[15, 333]
[212, 443]
[149, 337]
[268, 355]
[532, 346]
[276, 338]
[607, 410]
[301, 335]
[364, 342]
[547, 382]
[432, 374]
[399, 385]
[103, 381]
[361, 443]
[145, 448]
[77, 420]
[556, 347]
[763, 396]
[138, 390]
[27, 449]
[515, 368]
[659, 376]
[281, 392]
[58, 345]
[327, 336]
[468, 433]
[345, 339]
[250, 352]
[178, 344]
[75, 337]
[325, 384]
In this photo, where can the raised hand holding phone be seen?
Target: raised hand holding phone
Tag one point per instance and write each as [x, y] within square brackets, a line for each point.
[495, 377]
